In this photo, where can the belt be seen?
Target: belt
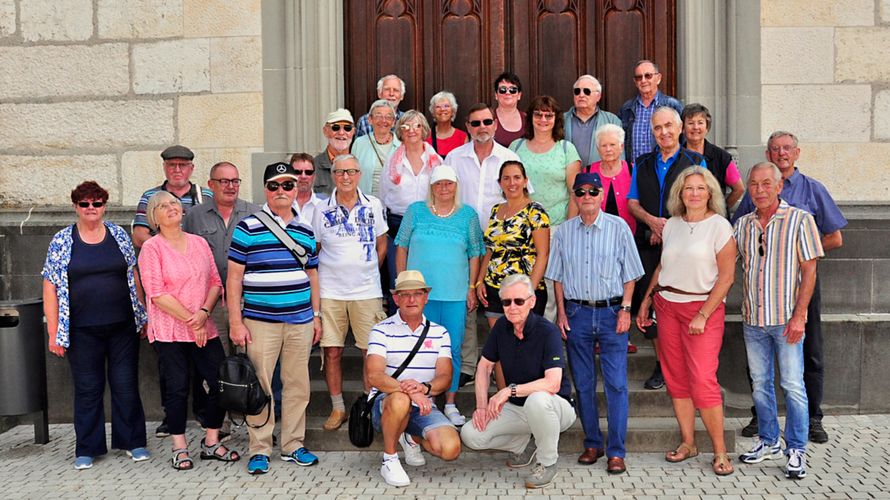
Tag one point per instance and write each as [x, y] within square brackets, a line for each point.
[614, 301]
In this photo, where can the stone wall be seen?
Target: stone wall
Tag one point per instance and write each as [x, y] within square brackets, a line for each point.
[95, 89]
[825, 74]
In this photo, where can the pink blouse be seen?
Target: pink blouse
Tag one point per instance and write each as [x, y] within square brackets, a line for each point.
[621, 184]
[186, 277]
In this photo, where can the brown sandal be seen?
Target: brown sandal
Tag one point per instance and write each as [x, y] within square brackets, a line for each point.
[682, 452]
[722, 465]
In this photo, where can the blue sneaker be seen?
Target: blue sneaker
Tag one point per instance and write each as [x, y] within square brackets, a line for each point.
[138, 454]
[81, 463]
[259, 464]
[302, 457]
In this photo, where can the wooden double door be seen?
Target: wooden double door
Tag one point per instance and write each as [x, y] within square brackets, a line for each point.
[462, 45]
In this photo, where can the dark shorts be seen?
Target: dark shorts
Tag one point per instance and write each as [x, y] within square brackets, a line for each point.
[495, 308]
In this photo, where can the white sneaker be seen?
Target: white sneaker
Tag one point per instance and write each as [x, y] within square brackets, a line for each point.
[454, 416]
[394, 474]
[413, 452]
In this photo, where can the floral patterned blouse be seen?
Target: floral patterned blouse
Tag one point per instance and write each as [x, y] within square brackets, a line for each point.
[511, 244]
[55, 270]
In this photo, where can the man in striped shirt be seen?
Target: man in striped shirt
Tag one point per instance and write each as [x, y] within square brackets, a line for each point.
[405, 412]
[280, 314]
[594, 266]
[778, 245]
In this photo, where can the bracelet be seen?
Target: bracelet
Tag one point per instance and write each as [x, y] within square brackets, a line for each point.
[474, 285]
[206, 311]
[702, 315]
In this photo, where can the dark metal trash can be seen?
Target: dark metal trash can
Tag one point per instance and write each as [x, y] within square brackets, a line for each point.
[23, 346]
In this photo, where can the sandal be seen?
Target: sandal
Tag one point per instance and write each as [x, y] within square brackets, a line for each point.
[180, 463]
[722, 465]
[682, 452]
[210, 453]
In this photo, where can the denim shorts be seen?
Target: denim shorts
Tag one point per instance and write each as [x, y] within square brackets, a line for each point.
[418, 425]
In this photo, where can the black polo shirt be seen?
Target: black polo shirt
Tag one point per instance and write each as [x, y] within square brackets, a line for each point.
[526, 360]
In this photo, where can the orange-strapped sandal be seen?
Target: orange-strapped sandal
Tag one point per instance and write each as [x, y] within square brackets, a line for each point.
[682, 452]
[722, 465]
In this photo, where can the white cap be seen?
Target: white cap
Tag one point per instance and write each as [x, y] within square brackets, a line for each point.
[443, 173]
[339, 115]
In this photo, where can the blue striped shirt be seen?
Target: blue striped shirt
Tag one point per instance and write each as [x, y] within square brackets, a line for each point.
[275, 286]
[393, 339]
[194, 196]
[594, 262]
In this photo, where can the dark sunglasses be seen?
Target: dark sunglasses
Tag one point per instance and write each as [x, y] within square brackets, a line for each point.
[508, 90]
[307, 172]
[760, 249]
[580, 192]
[476, 123]
[578, 90]
[336, 127]
[509, 302]
[95, 204]
[647, 76]
[286, 185]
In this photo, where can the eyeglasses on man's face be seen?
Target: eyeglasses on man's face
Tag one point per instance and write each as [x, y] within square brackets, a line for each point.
[228, 182]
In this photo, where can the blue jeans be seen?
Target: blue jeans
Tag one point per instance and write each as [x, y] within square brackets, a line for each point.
[418, 425]
[452, 315]
[590, 326]
[763, 344]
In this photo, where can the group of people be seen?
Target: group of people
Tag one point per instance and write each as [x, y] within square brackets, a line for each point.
[561, 228]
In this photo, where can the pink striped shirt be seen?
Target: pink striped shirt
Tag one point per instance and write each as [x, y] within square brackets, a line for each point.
[771, 280]
[187, 277]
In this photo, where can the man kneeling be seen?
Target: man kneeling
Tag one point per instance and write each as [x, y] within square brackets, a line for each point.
[405, 412]
[536, 401]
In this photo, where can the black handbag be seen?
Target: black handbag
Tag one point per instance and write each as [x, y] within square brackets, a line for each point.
[361, 432]
[240, 391]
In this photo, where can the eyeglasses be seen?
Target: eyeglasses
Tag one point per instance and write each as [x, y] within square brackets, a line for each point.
[508, 90]
[228, 182]
[179, 166]
[378, 116]
[168, 204]
[307, 172]
[647, 76]
[273, 186]
[580, 192]
[487, 122]
[544, 115]
[336, 127]
[519, 302]
[415, 295]
[578, 90]
[760, 248]
[347, 171]
[786, 148]
[86, 204]
[443, 107]
[409, 126]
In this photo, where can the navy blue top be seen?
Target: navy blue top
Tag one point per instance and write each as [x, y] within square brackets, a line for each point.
[526, 360]
[97, 278]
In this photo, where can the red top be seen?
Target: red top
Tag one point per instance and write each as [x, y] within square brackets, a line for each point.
[444, 146]
[621, 184]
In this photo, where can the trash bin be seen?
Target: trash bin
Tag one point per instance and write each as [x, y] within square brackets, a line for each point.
[23, 344]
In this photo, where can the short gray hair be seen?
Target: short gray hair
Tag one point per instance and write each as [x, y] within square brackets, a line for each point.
[766, 165]
[341, 159]
[781, 133]
[153, 202]
[609, 128]
[671, 111]
[387, 77]
[448, 96]
[413, 114]
[381, 103]
[517, 279]
[590, 78]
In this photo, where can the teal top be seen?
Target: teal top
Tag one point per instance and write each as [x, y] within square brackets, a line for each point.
[547, 172]
[371, 158]
[441, 247]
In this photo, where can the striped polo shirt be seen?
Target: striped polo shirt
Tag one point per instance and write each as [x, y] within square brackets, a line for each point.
[394, 340]
[194, 196]
[771, 280]
[275, 286]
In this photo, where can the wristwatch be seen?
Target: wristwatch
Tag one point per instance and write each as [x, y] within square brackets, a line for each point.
[429, 388]
[512, 390]
[316, 314]
[625, 308]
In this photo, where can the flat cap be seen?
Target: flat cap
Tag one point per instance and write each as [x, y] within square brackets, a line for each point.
[177, 151]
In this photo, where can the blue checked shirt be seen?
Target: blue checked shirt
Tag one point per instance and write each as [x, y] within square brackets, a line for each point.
[594, 262]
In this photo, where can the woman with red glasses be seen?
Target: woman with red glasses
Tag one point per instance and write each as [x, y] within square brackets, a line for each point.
[94, 312]
[510, 121]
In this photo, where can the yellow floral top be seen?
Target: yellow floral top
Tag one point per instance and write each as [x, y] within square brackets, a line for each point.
[511, 244]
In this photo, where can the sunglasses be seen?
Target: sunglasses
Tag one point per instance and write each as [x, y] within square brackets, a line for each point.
[760, 249]
[307, 172]
[95, 204]
[228, 182]
[510, 302]
[475, 123]
[578, 90]
[545, 115]
[647, 76]
[336, 127]
[273, 186]
[508, 90]
[409, 126]
[580, 192]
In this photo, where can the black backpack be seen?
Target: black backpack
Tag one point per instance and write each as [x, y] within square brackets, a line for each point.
[240, 390]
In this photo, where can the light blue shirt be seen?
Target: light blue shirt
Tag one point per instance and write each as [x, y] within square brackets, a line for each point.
[594, 262]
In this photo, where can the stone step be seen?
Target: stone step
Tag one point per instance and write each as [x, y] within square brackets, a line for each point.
[644, 435]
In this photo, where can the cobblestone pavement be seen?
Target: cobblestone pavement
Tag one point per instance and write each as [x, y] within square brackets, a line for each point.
[854, 464]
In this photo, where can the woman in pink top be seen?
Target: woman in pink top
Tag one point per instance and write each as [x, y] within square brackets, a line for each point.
[613, 171]
[181, 287]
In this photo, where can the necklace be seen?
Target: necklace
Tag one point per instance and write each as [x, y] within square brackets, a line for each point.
[437, 214]
[692, 225]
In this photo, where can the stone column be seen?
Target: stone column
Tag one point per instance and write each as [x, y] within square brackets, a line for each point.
[303, 77]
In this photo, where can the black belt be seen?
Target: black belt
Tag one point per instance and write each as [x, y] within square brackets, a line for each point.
[614, 301]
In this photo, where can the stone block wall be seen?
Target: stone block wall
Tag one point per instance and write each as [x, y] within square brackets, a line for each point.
[95, 89]
[825, 74]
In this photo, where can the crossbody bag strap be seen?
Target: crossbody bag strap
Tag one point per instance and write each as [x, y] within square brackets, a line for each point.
[296, 249]
[401, 368]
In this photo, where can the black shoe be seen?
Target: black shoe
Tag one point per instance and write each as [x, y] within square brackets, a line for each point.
[162, 430]
[751, 429]
[656, 381]
[464, 380]
[274, 440]
[817, 432]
